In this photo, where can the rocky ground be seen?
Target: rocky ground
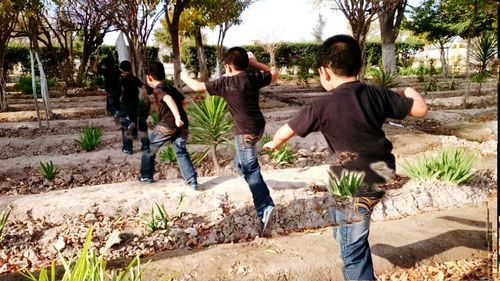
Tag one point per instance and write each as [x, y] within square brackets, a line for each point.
[98, 188]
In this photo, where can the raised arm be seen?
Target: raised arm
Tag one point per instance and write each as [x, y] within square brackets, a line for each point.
[419, 108]
[195, 85]
[175, 110]
[252, 61]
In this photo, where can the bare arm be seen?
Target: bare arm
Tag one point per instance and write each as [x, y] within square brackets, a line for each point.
[252, 61]
[280, 137]
[197, 86]
[173, 107]
[419, 108]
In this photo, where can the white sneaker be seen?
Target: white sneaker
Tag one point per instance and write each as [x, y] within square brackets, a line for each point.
[266, 218]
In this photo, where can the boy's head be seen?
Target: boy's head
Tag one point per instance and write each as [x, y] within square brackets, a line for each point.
[342, 54]
[108, 62]
[236, 58]
[155, 72]
[125, 66]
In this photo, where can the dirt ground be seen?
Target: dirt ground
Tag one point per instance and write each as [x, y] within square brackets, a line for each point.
[25, 145]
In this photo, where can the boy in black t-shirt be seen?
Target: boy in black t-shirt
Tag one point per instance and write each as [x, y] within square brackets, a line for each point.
[173, 127]
[240, 89]
[129, 105]
[351, 117]
[107, 68]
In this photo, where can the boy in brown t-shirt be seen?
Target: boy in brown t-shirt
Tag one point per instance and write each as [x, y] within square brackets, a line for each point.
[240, 89]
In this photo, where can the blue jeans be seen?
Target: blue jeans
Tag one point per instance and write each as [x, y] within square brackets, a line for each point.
[352, 238]
[113, 102]
[247, 164]
[160, 136]
[141, 130]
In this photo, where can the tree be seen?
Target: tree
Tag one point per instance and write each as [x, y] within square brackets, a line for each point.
[390, 15]
[318, 29]
[429, 21]
[136, 19]
[9, 11]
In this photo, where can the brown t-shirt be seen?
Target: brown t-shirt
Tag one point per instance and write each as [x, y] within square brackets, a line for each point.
[166, 116]
[351, 118]
[241, 93]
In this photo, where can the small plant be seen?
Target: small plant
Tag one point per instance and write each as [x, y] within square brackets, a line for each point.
[4, 216]
[265, 139]
[90, 138]
[347, 185]
[452, 165]
[48, 170]
[283, 155]
[25, 85]
[383, 78]
[158, 218]
[430, 85]
[89, 266]
[155, 118]
[167, 154]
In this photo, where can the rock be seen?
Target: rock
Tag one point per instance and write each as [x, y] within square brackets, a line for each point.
[60, 244]
[212, 238]
[303, 153]
[31, 256]
[313, 148]
[302, 162]
[172, 173]
[266, 158]
[67, 177]
[79, 178]
[90, 217]
[191, 231]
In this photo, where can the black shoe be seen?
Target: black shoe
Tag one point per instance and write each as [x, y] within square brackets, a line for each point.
[146, 149]
[117, 118]
[145, 179]
[128, 151]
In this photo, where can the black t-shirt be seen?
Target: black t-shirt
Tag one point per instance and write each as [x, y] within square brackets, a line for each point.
[351, 118]
[166, 116]
[130, 90]
[111, 79]
[241, 93]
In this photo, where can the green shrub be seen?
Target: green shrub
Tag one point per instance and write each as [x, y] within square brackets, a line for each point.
[382, 78]
[210, 124]
[347, 185]
[167, 154]
[89, 267]
[430, 84]
[48, 170]
[90, 138]
[25, 85]
[283, 155]
[452, 164]
[4, 216]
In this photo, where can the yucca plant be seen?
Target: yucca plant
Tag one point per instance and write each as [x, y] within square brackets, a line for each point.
[452, 165]
[4, 216]
[483, 54]
[283, 155]
[90, 138]
[347, 185]
[48, 170]
[158, 218]
[210, 124]
[167, 154]
[383, 78]
[89, 267]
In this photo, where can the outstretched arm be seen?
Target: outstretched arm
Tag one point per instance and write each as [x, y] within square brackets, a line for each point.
[197, 86]
[175, 110]
[280, 137]
[419, 107]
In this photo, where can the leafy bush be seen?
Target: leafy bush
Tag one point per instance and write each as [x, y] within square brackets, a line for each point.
[347, 185]
[4, 216]
[452, 164]
[90, 138]
[48, 170]
[89, 267]
[382, 78]
[210, 124]
[430, 84]
[167, 154]
[25, 85]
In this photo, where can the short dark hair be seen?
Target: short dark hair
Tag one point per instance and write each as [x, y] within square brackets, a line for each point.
[156, 70]
[237, 57]
[125, 66]
[108, 62]
[342, 54]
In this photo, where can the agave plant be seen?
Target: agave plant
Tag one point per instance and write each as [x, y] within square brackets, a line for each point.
[48, 170]
[4, 216]
[347, 185]
[483, 54]
[90, 138]
[283, 155]
[383, 78]
[210, 124]
[452, 164]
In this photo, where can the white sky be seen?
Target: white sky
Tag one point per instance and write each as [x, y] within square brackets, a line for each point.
[273, 21]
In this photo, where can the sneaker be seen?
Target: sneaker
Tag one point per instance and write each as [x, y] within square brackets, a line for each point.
[266, 218]
[128, 151]
[146, 149]
[130, 128]
[145, 179]
[194, 185]
[116, 117]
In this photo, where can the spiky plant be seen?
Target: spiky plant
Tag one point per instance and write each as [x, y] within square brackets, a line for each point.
[167, 154]
[345, 186]
[483, 54]
[283, 155]
[210, 124]
[383, 78]
[90, 138]
[452, 165]
[158, 218]
[48, 170]
[4, 216]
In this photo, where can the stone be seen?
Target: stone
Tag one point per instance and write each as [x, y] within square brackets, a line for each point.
[60, 244]
[191, 231]
[79, 178]
[302, 162]
[67, 177]
[31, 256]
[90, 217]
[313, 148]
[303, 153]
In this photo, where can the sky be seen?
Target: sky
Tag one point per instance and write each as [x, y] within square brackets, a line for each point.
[274, 21]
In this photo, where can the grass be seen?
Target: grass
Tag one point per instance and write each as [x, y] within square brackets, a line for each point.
[452, 165]
[90, 138]
[48, 170]
[167, 154]
[4, 217]
[345, 186]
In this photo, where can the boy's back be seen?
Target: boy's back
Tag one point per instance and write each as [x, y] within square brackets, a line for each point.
[166, 116]
[241, 93]
[130, 90]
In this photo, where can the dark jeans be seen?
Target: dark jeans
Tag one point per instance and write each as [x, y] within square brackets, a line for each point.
[247, 164]
[113, 102]
[158, 137]
[130, 115]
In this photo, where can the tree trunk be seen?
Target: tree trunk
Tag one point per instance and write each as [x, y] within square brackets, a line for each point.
[176, 59]
[215, 159]
[202, 61]
[44, 89]
[389, 57]
[33, 85]
[467, 59]
[3, 91]
[442, 58]
[83, 65]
